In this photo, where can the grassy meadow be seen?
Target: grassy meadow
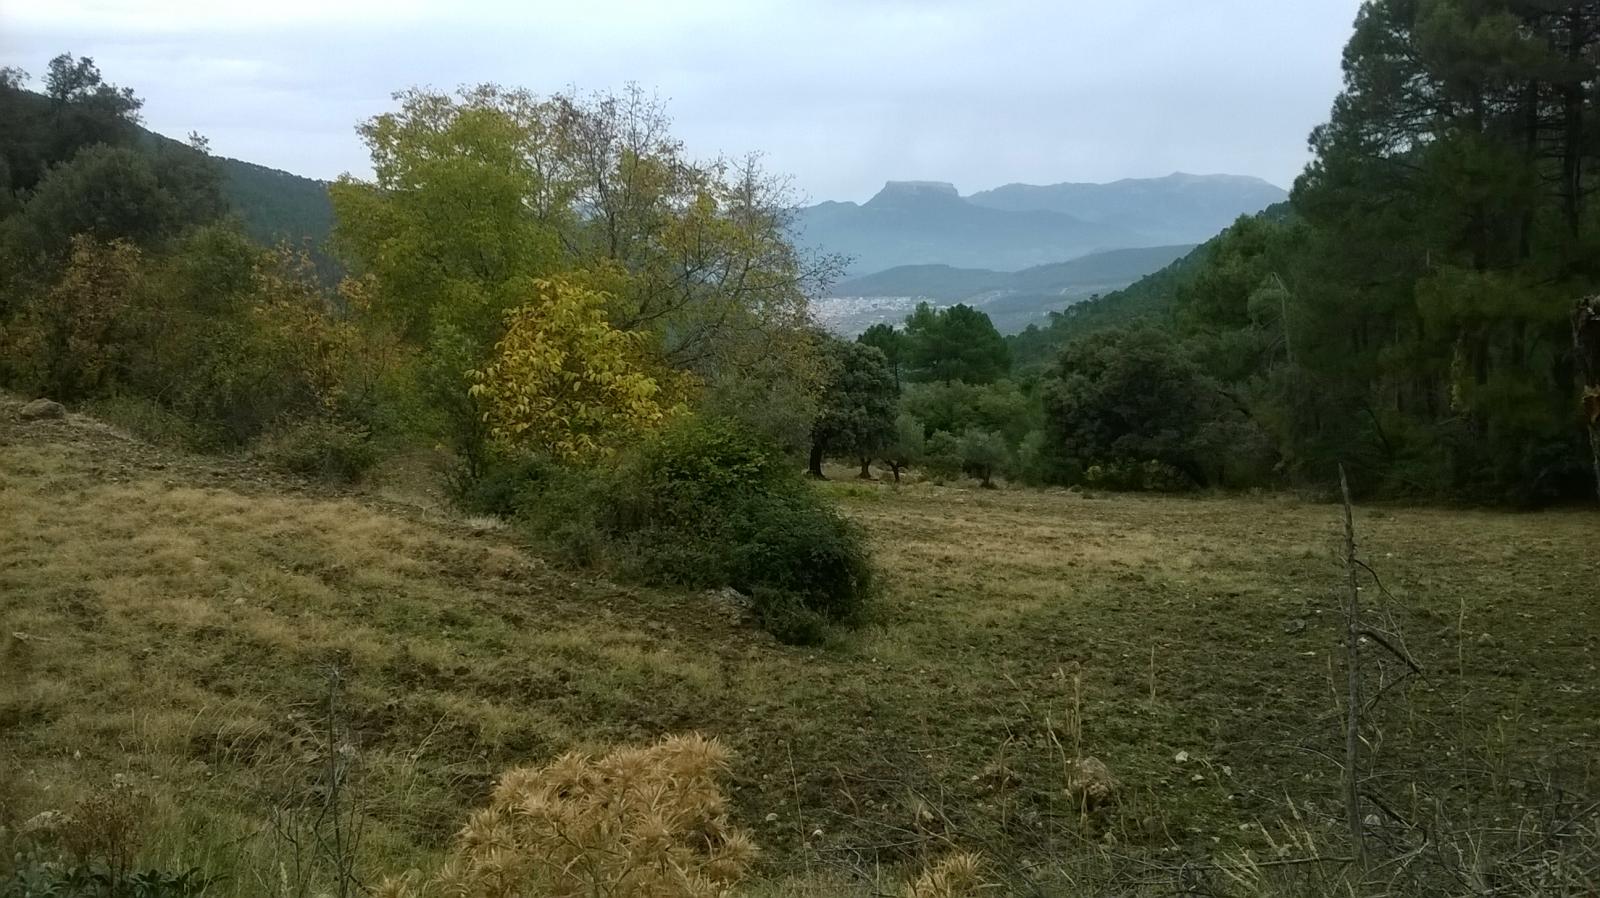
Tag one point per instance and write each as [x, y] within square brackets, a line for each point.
[179, 624]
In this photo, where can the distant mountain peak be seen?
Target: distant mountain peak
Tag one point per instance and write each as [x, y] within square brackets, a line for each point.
[917, 190]
[1022, 225]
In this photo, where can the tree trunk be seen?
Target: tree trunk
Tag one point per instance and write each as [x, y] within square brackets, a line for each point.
[1586, 347]
[866, 468]
[988, 483]
[814, 468]
[1572, 121]
[895, 469]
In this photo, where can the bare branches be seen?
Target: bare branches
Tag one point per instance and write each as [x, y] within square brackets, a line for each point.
[1352, 648]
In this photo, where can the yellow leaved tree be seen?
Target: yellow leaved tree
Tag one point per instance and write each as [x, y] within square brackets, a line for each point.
[562, 380]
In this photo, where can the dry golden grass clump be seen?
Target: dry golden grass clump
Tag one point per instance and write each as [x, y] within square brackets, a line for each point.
[636, 822]
[958, 875]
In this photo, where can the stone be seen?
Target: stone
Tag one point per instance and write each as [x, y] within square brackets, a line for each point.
[1090, 783]
[42, 410]
[734, 605]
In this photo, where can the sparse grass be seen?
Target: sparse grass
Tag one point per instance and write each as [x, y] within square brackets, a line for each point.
[164, 617]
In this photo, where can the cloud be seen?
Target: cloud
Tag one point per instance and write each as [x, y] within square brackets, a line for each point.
[842, 95]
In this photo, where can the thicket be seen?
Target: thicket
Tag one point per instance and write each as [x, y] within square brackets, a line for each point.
[701, 504]
[129, 289]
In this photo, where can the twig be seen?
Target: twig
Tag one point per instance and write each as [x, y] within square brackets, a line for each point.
[1375, 636]
[1352, 647]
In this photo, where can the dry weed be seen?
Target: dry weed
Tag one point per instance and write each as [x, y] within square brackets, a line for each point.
[958, 875]
[648, 822]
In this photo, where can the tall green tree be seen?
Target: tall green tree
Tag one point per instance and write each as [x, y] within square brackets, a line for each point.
[891, 342]
[955, 343]
[857, 417]
[1126, 398]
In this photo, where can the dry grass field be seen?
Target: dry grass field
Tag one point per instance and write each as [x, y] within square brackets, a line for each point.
[178, 624]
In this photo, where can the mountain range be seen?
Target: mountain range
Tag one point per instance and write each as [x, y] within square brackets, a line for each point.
[1012, 299]
[1022, 225]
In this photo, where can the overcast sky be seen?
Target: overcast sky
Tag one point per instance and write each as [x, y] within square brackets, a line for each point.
[840, 95]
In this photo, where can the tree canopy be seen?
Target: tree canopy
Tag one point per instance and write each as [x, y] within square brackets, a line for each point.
[954, 343]
[857, 415]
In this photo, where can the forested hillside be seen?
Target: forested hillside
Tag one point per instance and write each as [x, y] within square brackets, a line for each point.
[1414, 315]
[1150, 299]
[271, 205]
[275, 205]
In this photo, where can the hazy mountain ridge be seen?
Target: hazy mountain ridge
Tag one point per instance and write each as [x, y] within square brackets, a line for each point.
[909, 223]
[1186, 208]
[1019, 226]
[1012, 299]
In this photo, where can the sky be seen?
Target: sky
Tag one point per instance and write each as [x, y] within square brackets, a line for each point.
[840, 95]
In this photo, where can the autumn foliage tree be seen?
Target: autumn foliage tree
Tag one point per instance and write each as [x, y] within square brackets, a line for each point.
[81, 336]
[563, 381]
[684, 267]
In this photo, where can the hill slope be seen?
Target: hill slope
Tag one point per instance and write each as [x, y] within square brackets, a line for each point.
[1150, 297]
[272, 205]
[172, 621]
[276, 205]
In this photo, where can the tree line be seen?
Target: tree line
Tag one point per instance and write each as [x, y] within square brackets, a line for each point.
[1413, 312]
[554, 275]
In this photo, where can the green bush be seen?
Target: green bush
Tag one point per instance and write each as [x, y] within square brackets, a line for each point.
[1152, 475]
[796, 543]
[327, 449]
[787, 617]
[701, 505]
[942, 456]
[501, 484]
[156, 424]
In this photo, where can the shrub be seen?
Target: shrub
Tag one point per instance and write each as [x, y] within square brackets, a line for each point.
[328, 449]
[635, 823]
[76, 340]
[796, 543]
[1032, 462]
[1151, 475]
[89, 849]
[700, 505]
[156, 424]
[786, 617]
[943, 454]
[45, 879]
[501, 484]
